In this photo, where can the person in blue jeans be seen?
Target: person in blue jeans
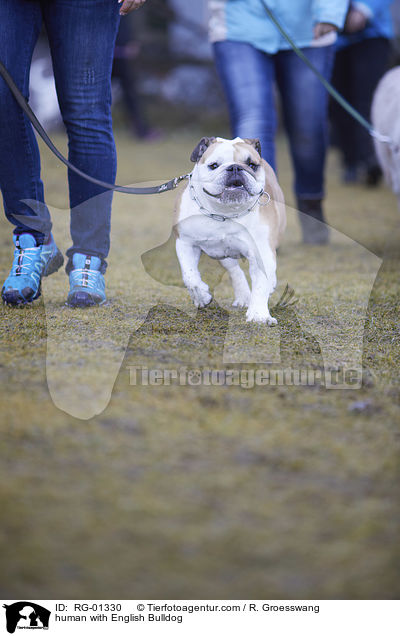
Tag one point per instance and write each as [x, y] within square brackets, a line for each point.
[251, 55]
[81, 36]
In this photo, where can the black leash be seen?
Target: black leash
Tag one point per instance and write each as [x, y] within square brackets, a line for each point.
[21, 101]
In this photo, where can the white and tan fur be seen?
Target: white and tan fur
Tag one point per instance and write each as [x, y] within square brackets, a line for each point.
[385, 114]
[229, 179]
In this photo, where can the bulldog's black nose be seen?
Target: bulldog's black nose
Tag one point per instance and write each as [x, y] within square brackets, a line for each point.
[235, 168]
[235, 177]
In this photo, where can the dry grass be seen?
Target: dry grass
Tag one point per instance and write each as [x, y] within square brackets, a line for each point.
[203, 492]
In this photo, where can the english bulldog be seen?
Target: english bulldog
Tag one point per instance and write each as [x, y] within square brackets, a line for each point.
[385, 115]
[232, 207]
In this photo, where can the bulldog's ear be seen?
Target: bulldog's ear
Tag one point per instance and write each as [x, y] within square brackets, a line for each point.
[255, 143]
[201, 147]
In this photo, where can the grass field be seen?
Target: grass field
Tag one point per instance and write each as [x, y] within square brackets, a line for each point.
[203, 491]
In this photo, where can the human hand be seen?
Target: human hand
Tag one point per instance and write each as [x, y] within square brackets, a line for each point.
[322, 28]
[356, 21]
[130, 5]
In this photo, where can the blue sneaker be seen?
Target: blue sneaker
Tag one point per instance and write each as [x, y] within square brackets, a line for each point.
[31, 262]
[52, 257]
[87, 286]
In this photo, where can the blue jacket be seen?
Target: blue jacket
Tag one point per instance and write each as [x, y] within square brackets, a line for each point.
[247, 21]
[380, 22]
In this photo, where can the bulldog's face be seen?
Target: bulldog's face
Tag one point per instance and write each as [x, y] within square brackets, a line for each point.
[228, 175]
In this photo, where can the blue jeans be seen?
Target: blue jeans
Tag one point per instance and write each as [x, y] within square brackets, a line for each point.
[81, 35]
[248, 76]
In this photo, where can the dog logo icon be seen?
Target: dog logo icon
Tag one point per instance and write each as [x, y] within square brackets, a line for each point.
[26, 615]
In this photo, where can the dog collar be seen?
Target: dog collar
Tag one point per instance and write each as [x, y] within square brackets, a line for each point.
[222, 217]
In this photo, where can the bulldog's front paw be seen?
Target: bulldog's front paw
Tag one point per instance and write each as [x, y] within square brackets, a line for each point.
[242, 300]
[200, 295]
[258, 314]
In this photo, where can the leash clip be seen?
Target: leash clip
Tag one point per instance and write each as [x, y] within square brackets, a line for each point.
[177, 180]
[384, 139]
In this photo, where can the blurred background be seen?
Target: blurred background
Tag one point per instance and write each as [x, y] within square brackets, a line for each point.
[164, 76]
[165, 83]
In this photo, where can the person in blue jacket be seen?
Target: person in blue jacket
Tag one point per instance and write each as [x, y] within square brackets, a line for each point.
[251, 55]
[361, 60]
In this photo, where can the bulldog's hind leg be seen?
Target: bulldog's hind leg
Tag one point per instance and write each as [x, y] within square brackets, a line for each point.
[240, 285]
[188, 257]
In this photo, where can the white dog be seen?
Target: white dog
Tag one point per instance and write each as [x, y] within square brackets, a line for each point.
[232, 207]
[385, 116]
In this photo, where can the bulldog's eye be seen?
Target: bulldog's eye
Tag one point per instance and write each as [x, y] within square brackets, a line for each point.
[213, 166]
[252, 165]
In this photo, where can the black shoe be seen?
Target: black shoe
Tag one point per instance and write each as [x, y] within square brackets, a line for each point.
[312, 222]
[373, 176]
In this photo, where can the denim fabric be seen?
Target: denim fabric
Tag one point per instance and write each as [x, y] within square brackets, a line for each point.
[248, 77]
[82, 36]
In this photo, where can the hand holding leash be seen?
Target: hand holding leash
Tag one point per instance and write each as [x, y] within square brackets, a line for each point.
[322, 28]
[130, 5]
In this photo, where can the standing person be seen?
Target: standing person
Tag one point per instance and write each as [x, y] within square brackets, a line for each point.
[126, 50]
[250, 55]
[361, 60]
[81, 36]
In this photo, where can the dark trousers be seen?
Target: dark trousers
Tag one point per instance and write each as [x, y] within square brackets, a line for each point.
[357, 70]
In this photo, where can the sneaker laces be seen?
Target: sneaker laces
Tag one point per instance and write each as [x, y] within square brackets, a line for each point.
[85, 277]
[24, 262]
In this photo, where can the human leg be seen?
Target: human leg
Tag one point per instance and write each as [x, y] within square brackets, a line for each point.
[343, 125]
[369, 62]
[20, 24]
[247, 76]
[305, 104]
[35, 253]
[82, 37]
